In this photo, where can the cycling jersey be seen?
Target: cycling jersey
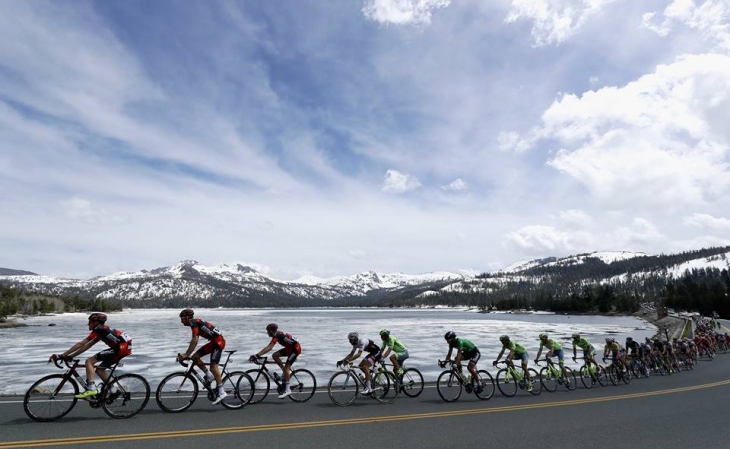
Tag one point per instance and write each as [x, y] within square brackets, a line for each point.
[551, 344]
[394, 344]
[288, 341]
[112, 337]
[463, 345]
[634, 346]
[205, 329]
[583, 344]
[367, 345]
[516, 347]
[613, 347]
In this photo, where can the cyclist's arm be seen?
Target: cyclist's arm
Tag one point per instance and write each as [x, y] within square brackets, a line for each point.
[459, 355]
[192, 345]
[265, 350]
[79, 348]
[539, 351]
[385, 350]
[353, 355]
[448, 356]
[511, 354]
[500, 355]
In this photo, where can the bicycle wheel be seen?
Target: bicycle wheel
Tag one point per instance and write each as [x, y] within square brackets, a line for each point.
[176, 392]
[601, 376]
[239, 389]
[50, 398]
[569, 380]
[585, 377]
[506, 383]
[536, 384]
[548, 380]
[342, 388]
[448, 386]
[385, 387]
[486, 382]
[611, 372]
[125, 396]
[303, 385]
[625, 376]
[411, 382]
[261, 384]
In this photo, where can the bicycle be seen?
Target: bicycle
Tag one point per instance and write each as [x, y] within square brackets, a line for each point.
[344, 385]
[410, 381]
[589, 375]
[510, 378]
[618, 373]
[301, 382]
[177, 392]
[637, 367]
[53, 396]
[450, 383]
[552, 376]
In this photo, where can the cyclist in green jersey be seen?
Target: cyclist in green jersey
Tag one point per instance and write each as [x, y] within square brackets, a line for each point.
[398, 349]
[518, 351]
[589, 352]
[554, 349]
[464, 350]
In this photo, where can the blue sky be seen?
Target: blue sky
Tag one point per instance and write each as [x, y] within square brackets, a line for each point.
[330, 138]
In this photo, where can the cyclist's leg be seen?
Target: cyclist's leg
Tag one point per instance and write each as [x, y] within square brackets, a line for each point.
[472, 366]
[291, 358]
[561, 362]
[400, 357]
[365, 367]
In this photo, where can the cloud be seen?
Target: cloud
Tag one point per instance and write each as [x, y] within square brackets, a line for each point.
[79, 208]
[538, 239]
[708, 221]
[639, 234]
[554, 21]
[711, 18]
[575, 218]
[397, 182]
[402, 12]
[662, 140]
[457, 185]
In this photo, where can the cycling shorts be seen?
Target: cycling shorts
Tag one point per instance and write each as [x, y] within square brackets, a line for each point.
[401, 356]
[110, 356]
[472, 356]
[588, 353]
[215, 348]
[523, 357]
[559, 354]
[292, 355]
[374, 357]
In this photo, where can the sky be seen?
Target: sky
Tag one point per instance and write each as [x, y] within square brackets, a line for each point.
[331, 138]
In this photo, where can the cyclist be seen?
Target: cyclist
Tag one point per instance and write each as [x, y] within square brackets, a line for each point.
[465, 349]
[291, 349]
[214, 347]
[120, 346]
[398, 349]
[360, 345]
[618, 353]
[518, 351]
[589, 352]
[554, 349]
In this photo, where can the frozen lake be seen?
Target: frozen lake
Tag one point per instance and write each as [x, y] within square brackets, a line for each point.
[159, 336]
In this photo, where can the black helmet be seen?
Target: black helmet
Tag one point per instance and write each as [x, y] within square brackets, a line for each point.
[187, 312]
[629, 339]
[576, 336]
[272, 327]
[449, 335]
[100, 317]
[504, 338]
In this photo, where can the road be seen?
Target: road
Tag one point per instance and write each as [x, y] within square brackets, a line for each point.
[686, 409]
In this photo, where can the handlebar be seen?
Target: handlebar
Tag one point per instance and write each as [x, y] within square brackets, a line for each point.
[69, 362]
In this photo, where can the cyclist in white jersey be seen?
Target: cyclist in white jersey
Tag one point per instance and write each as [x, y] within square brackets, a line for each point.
[360, 345]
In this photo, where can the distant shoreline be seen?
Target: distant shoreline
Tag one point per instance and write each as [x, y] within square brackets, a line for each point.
[11, 323]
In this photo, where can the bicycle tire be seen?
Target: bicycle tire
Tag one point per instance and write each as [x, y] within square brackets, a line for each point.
[233, 383]
[585, 377]
[625, 376]
[506, 383]
[601, 376]
[261, 385]
[486, 381]
[342, 388]
[569, 381]
[536, 386]
[448, 386]
[50, 398]
[177, 392]
[303, 384]
[411, 382]
[134, 394]
[548, 380]
[612, 375]
[385, 387]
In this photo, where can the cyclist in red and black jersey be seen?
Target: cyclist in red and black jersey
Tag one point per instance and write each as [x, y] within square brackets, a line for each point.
[120, 346]
[291, 349]
[214, 347]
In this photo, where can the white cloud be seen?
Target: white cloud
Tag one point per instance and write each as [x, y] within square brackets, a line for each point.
[705, 220]
[457, 185]
[641, 233]
[511, 141]
[662, 140]
[402, 12]
[397, 182]
[575, 218]
[594, 80]
[711, 18]
[554, 21]
[538, 239]
[79, 208]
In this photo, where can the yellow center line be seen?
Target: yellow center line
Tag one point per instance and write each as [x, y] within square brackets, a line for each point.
[342, 422]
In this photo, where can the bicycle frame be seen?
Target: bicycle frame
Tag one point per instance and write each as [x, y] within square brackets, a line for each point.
[190, 369]
[263, 370]
[71, 373]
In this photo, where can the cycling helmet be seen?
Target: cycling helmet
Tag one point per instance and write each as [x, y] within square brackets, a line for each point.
[353, 336]
[647, 339]
[100, 317]
[543, 335]
[449, 335]
[187, 312]
[629, 339]
[504, 338]
[272, 327]
[384, 333]
[576, 336]
[609, 339]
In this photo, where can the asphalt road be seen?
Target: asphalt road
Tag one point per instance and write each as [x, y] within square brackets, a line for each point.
[682, 410]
